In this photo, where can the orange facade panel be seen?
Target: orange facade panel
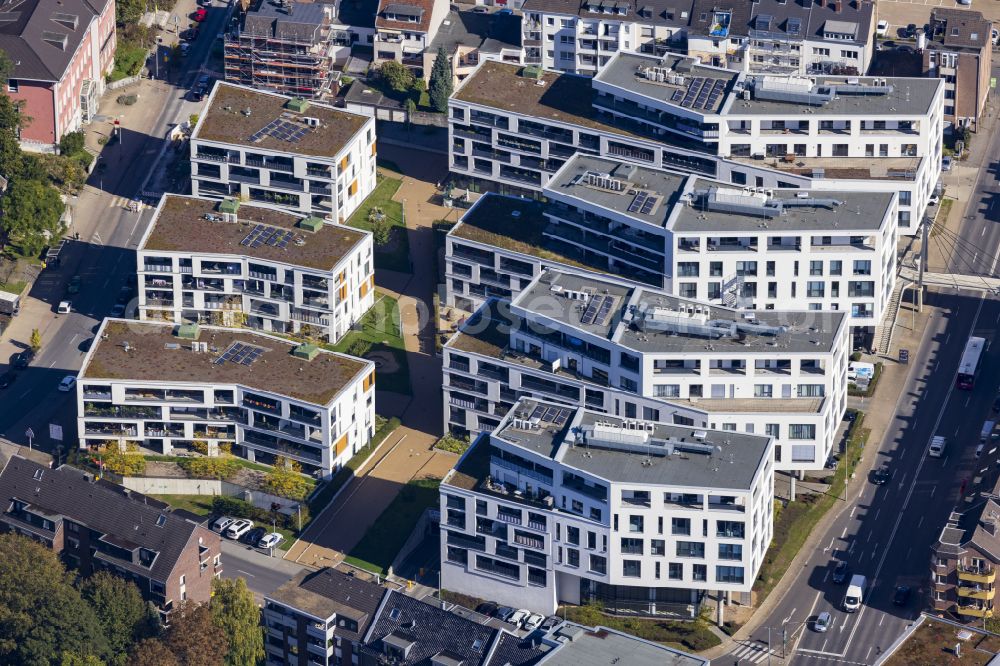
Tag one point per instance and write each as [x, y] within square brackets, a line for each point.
[353, 189]
[369, 381]
[341, 445]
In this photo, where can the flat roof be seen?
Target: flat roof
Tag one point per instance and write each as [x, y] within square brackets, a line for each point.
[655, 453]
[562, 97]
[643, 194]
[657, 78]
[601, 646]
[845, 95]
[225, 120]
[652, 321]
[191, 224]
[846, 168]
[151, 352]
[800, 210]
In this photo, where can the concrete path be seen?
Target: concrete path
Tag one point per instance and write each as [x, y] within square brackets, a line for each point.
[407, 454]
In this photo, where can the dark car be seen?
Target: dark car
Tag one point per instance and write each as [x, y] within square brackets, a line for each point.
[841, 573]
[6, 379]
[831, 462]
[253, 536]
[901, 596]
[487, 608]
[881, 476]
[22, 359]
[550, 622]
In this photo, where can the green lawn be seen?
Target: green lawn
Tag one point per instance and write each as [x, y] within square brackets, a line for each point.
[397, 255]
[197, 504]
[13, 287]
[384, 539]
[695, 636]
[379, 331]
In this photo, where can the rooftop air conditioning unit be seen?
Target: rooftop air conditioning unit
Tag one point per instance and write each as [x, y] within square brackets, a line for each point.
[311, 121]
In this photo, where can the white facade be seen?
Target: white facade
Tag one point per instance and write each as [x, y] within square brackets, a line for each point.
[210, 276]
[657, 358]
[827, 133]
[405, 28]
[558, 520]
[327, 171]
[163, 406]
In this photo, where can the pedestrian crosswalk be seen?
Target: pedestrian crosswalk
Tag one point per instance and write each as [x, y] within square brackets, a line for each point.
[753, 652]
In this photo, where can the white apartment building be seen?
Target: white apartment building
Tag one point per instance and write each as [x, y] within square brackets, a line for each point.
[164, 387]
[781, 37]
[636, 352]
[580, 38]
[233, 264]
[822, 133]
[692, 237]
[405, 28]
[283, 152]
[561, 504]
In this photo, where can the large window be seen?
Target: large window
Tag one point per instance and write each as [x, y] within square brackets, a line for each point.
[631, 568]
[730, 551]
[690, 549]
[729, 574]
[801, 431]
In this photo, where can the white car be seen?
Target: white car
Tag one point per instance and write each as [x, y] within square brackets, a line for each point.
[221, 523]
[67, 383]
[239, 528]
[533, 621]
[946, 163]
[270, 541]
[65, 307]
[518, 617]
[882, 29]
[933, 200]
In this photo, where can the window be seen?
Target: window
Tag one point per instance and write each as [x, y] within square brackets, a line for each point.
[675, 571]
[572, 557]
[598, 564]
[12, 85]
[836, 267]
[635, 524]
[715, 269]
[688, 290]
[699, 572]
[815, 289]
[657, 547]
[729, 575]
[729, 529]
[730, 551]
[631, 568]
[667, 390]
[811, 390]
[803, 453]
[681, 526]
[687, 269]
[801, 431]
[631, 546]
[573, 535]
[763, 391]
[690, 549]
[815, 268]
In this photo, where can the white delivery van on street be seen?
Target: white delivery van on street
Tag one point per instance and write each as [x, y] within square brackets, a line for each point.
[855, 593]
[936, 449]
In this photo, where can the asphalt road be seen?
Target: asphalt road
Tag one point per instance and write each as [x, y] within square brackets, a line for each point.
[104, 257]
[886, 532]
[263, 574]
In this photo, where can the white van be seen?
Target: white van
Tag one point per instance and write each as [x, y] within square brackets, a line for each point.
[857, 370]
[987, 432]
[855, 593]
[938, 443]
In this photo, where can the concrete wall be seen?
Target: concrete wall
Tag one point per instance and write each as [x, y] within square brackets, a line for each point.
[171, 486]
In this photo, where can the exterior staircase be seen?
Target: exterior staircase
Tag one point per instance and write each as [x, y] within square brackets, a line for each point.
[885, 329]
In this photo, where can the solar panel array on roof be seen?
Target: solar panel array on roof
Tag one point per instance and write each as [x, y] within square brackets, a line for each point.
[281, 129]
[702, 93]
[591, 311]
[601, 318]
[263, 234]
[637, 202]
[240, 353]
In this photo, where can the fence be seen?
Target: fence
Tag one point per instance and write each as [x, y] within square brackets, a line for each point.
[124, 83]
[214, 487]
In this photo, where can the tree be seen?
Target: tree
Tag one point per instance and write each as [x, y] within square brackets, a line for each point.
[6, 68]
[73, 659]
[235, 612]
[36, 340]
[123, 614]
[71, 143]
[381, 227]
[42, 615]
[442, 81]
[152, 652]
[194, 639]
[398, 77]
[31, 214]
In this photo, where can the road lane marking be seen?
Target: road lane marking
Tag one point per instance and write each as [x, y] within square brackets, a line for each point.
[948, 337]
[920, 522]
[844, 533]
[869, 654]
[933, 488]
[245, 573]
[869, 537]
[51, 364]
[881, 620]
[827, 576]
[967, 400]
[877, 512]
[874, 550]
[853, 509]
[24, 394]
[908, 551]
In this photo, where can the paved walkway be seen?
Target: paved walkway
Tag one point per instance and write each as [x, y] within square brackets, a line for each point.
[407, 454]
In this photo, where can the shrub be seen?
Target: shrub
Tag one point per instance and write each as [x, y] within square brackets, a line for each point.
[237, 508]
[855, 357]
[127, 100]
[359, 347]
[201, 446]
[126, 463]
[286, 483]
[210, 468]
[452, 444]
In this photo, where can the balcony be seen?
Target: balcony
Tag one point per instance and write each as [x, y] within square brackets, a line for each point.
[976, 592]
[975, 611]
[981, 575]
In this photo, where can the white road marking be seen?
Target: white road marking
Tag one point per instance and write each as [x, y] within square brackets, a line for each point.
[920, 522]
[967, 400]
[24, 394]
[844, 533]
[948, 337]
[827, 576]
[245, 573]
[933, 488]
[874, 550]
[876, 513]
[881, 619]
[868, 654]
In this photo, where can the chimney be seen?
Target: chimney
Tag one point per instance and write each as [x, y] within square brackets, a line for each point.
[821, 3]
[989, 524]
[835, 5]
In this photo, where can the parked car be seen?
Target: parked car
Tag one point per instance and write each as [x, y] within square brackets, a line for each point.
[519, 616]
[506, 11]
[822, 622]
[550, 622]
[946, 163]
[901, 596]
[117, 310]
[67, 383]
[831, 462]
[74, 285]
[65, 307]
[487, 608]
[239, 528]
[254, 536]
[881, 476]
[533, 621]
[933, 200]
[22, 359]
[6, 379]
[504, 613]
[841, 573]
[184, 49]
[479, 9]
[882, 29]
[221, 523]
[270, 541]
[200, 14]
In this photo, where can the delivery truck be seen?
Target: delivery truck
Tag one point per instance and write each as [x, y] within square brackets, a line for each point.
[10, 304]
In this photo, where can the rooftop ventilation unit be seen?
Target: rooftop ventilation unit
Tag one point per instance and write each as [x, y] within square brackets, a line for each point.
[653, 319]
[605, 182]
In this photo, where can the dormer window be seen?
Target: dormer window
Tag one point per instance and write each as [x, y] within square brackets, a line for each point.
[55, 39]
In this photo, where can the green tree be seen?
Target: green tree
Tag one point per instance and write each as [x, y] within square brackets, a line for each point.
[42, 615]
[73, 659]
[396, 76]
[194, 638]
[6, 68]
[381, 230]
[442, 81]
[71, 143]
[235, 612]
[152, 652]
[36, 340]
[123, 615]
[30, 209]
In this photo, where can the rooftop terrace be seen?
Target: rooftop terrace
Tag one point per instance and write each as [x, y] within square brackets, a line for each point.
[151, 352]
[272, 125]
[643, 194]
[190, 224]
[673, 79]
[845, 168]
